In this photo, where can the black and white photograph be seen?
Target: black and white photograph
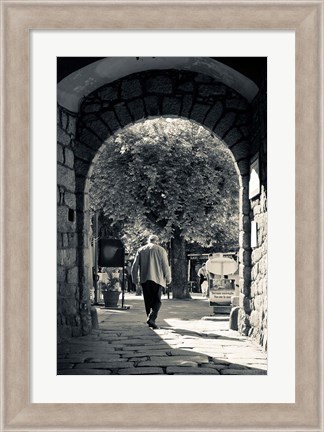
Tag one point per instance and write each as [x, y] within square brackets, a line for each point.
[162, 207]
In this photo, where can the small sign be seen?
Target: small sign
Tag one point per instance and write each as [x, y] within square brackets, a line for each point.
[254, 183]
[221, 292]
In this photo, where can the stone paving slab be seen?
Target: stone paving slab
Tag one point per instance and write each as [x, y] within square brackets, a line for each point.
[139, 359]
[61, 366]
[84, 372]
[200, 359]
[251, 366]
[191, 371]
[76, 358]
[117, 345]
[167, 361]
[137, 355]
[237, 366]
[248, 361]
[243, 372]
[142, 371]
[214, 366]
[105, 365]
[87, 343]
[90, 349]
[67, 360]
[181, 352]
[136, 342]
[140, 348]
[217, 360]
[243, 356]
[103, 359]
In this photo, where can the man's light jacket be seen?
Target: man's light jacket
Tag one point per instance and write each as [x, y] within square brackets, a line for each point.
[151, 262]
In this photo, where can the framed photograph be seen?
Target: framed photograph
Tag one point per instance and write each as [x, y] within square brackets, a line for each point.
[87, 88]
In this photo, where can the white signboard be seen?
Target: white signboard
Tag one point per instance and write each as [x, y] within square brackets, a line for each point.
[254, 234]
[254, 183]
[221, 265]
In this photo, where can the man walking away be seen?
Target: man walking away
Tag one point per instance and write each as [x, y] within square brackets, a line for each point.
[151, 262]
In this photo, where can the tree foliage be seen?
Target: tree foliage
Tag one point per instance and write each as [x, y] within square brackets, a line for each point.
[167, 176]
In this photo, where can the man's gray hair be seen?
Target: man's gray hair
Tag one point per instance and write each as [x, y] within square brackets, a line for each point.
[153, 238]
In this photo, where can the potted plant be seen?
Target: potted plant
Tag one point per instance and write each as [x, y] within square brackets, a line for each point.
[111, 288]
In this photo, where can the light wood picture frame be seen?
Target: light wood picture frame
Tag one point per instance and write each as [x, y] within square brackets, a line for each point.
[18, 18]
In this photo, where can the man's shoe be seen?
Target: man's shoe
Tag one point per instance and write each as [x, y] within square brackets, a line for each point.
[151, 324]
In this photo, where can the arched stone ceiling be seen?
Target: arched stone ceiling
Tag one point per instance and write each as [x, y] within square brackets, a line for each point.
[72, 89]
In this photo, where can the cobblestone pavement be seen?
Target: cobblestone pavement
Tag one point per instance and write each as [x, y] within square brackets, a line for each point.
[189, 342]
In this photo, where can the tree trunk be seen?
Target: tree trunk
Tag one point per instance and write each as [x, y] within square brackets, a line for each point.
[179, 267]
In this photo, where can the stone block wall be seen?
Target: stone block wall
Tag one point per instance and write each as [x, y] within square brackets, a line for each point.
[259, 300]
[69, 303]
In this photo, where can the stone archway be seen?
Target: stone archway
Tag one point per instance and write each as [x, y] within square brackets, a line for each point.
[187, 94]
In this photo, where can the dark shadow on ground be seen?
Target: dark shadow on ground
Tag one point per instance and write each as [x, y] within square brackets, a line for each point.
[131, 348]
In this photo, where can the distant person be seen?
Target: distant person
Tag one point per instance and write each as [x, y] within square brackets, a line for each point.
[151, 262]
[202, 273]
[210, 275]
[130, 286]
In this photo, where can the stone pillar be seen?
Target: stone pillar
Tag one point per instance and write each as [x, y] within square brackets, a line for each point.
[83, 254]
[254, 312]
[244, 257]
[69, 302]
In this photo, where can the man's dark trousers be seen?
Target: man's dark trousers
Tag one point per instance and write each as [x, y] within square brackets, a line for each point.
[152, 299]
